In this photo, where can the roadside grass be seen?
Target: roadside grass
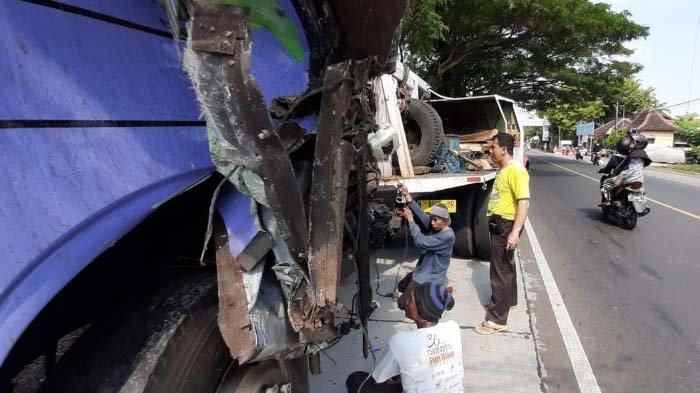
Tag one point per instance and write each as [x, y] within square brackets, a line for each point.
[687, 167]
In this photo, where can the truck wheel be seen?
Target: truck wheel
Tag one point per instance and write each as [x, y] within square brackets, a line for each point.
[482, 238]
[170, 343]
[462, 225]
[424, 132]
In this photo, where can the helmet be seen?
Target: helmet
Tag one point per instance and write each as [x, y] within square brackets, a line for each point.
[640, 141]
[623, 145]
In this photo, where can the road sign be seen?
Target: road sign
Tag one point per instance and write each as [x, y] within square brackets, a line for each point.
[545, 134]
[585, 128]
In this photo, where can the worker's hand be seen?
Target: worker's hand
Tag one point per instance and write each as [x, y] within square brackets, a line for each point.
[406, 194]
[618, 181]
[512, 241]
[406, 213]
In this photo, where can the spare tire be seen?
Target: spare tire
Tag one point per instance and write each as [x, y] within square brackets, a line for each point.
[424, 133]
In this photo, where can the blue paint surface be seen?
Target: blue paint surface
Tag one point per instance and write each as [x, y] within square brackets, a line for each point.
[66, 195]
[276, 72]
[73, 67]
[147, 12]
[235, 209]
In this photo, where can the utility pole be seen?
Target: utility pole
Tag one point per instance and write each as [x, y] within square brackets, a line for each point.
[617, 107]
[692, 65]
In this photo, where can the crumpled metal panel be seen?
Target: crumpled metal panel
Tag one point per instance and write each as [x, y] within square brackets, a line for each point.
[234, 320]
[252, 317]
[246, 148]
[239, 124]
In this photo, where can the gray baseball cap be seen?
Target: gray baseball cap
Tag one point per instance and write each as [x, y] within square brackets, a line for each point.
[440, 212]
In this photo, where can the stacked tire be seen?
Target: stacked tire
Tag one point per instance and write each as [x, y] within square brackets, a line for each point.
[424, 132]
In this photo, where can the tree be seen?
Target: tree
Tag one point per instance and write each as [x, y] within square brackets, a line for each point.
[565, 116]
[610, 141]
[631, 97]
[531, 131]
[689, 130]
[529, 50]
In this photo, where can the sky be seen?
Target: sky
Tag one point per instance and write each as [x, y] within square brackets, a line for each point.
[667, 53]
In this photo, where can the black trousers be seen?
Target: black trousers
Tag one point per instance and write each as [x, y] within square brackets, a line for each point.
[504, 288]
[371, 386]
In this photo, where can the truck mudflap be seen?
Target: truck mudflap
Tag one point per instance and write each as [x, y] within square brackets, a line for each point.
[252, 155]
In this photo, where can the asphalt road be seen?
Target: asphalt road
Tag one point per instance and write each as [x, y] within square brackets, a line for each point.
[632, 295]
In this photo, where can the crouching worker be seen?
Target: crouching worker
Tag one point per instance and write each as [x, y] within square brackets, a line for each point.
[428, 359]
[436, 246]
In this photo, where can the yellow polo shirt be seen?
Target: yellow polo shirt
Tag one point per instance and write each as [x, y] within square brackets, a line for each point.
[512, 184]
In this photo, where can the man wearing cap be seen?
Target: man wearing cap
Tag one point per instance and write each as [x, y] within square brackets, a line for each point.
[428, 359]
[436, 247]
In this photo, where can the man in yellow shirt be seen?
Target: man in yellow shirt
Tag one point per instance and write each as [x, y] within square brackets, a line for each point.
[507, 210]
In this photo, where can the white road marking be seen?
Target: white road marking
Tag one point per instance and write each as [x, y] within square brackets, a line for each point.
[587, 382]
[689, 214]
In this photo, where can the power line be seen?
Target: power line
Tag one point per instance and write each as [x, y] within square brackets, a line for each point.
[681, 103]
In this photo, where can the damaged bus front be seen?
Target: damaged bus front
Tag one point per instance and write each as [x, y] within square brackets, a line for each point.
[302, 158]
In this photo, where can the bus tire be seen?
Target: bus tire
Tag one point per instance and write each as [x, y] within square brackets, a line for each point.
[169, 343]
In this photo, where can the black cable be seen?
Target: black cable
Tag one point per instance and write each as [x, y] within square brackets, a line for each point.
[392, 295]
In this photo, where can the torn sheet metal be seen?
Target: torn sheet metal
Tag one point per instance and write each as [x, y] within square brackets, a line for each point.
[217, 59]
[275, 336]
[234, 319]
[253, 329]
[238, 214]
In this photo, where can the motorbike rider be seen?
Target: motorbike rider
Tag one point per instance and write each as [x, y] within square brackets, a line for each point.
[625, 167]
[597, 148]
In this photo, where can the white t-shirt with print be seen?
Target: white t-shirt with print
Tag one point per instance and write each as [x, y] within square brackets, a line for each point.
[429, 359]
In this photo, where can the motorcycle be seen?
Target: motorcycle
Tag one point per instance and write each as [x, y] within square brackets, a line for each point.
[595, 158]
[629, 202]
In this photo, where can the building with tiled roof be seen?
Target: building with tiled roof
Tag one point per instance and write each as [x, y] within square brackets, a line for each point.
[609, 127]
[655, 126]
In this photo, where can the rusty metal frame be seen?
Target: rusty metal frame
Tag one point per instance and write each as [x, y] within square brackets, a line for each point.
[234, 105]
[218, 61]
